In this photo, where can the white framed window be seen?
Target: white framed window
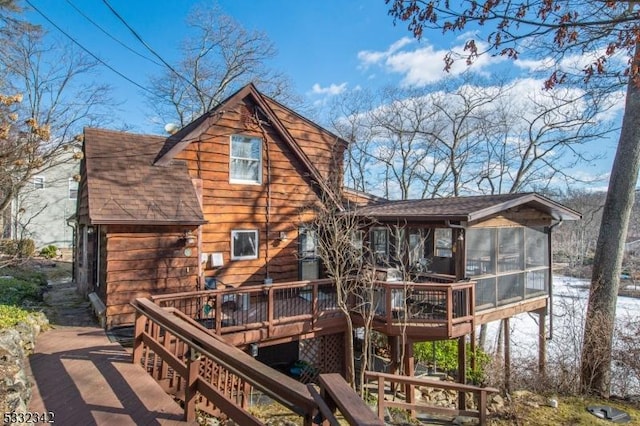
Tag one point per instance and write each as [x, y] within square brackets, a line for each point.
[73, 189]
[245, 159]
[38, 182]
[308, 243]
[244, 244]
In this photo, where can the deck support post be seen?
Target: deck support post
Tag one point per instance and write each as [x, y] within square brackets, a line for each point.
[394, 343]
[462, 371]
[507, 354]
[542, 344]
[473, 347]
[141, 322]
[191, 388]
[409, 370]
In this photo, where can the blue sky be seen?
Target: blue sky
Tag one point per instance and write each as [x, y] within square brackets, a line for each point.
[317, 41]
[324, 46]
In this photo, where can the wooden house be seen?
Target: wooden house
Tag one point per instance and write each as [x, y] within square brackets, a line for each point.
[221, 203]
[213, 221]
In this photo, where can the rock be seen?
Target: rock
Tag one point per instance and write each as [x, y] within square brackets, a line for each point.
[496, 404]
[497, 399]
[463, 420]
[15, 345]
[521, 394]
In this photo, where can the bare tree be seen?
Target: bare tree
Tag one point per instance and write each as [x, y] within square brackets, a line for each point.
[607, 34]
[347, 261]
[388, 148]
[541, 138]
[348, 118]
[465, 116]
[219, 58]
[576, 241]
[53, 95]
[468, 136]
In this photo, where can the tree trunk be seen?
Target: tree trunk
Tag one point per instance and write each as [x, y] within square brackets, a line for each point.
[599, 326]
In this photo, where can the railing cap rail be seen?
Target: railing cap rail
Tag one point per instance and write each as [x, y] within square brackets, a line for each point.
[425, 285]
[246, 289]
[430, 382]
[289, 390]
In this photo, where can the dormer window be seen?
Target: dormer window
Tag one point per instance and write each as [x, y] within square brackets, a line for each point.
[245, 163]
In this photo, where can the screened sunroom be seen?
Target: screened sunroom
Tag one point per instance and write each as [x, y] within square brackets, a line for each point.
[502, 243]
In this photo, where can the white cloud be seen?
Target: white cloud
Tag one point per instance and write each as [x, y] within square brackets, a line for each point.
[424, 65]
[368, 57]
[468, 35]
[331, 90]
[534, 65]
[574, 63]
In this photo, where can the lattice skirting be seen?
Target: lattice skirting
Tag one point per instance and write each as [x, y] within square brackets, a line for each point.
[324, 354]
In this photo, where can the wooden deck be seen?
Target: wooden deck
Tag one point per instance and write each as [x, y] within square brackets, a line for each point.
[245, 315]
[84, 379]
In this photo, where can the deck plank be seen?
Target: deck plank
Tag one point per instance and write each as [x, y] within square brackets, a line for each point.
[85, 379]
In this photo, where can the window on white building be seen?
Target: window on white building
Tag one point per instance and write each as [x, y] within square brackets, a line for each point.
[73, 189]
[38, 182]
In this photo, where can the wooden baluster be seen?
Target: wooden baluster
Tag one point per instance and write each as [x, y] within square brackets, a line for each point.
[315, 309]
[218, 314]
[270, 306]
[166, 343]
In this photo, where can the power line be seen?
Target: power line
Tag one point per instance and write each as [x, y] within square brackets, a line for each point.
[77, 43]
[145, 44]
[105, 32]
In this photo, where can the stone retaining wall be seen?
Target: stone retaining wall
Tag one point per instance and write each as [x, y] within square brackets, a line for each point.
[16, 344]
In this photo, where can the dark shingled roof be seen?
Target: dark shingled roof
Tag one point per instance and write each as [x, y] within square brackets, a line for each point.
[466, 209]
[125, 187]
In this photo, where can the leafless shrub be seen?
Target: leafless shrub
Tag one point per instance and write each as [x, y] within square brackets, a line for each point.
[626, 358]
[564, 352]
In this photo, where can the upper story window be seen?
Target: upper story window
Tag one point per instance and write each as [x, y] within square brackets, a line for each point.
[245, 163]
[38, 182]
[73, 189]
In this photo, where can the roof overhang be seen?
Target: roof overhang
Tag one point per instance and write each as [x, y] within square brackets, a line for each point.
[148, 222]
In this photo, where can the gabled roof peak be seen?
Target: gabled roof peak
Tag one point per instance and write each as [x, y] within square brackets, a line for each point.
[192, 132]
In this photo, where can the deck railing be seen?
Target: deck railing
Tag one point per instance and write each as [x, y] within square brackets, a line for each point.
[391, 381]
[240, 309]
[424, 304]
[205, 372]
[441, 306]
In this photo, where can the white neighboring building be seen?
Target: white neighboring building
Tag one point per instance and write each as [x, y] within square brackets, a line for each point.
[43, 207]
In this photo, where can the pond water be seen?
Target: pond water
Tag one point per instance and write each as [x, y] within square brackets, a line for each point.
[570, 297]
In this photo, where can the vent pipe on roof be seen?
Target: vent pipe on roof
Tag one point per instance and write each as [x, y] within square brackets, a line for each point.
[171, 128]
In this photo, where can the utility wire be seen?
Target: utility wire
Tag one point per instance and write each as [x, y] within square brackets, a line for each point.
[105, 32]
[145, 44]
[77, 43]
